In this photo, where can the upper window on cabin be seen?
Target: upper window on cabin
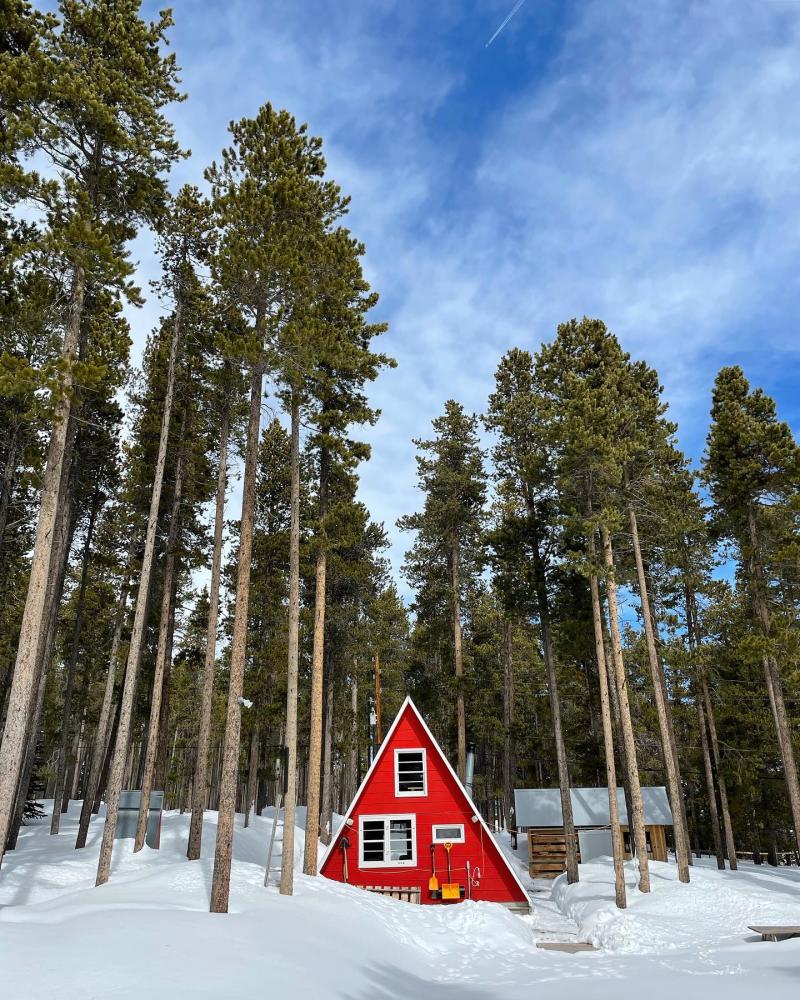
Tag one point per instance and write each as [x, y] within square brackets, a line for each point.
[387, 841]
[410, 772]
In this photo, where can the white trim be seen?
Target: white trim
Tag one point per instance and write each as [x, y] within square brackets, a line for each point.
[413, 794]
[408, 703]
[439, 839]
[387, 819]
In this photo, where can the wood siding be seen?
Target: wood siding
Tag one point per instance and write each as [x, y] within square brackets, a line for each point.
[547, 850]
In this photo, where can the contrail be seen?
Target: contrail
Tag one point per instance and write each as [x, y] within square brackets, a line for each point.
[514, 10]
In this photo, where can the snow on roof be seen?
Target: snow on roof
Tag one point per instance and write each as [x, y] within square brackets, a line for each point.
[542, 806]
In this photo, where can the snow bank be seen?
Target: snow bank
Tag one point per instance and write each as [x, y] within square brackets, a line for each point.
[148, 931]
[715, 908]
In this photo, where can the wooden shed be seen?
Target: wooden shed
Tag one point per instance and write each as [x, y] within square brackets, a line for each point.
[538, 813]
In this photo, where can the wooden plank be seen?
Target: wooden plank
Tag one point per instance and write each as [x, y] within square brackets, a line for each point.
[570, 947]
[776, 932]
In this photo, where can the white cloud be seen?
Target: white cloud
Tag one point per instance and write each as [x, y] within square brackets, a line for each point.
[644, 169]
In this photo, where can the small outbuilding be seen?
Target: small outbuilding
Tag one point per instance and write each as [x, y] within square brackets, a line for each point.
[538, 813]
[413, 833]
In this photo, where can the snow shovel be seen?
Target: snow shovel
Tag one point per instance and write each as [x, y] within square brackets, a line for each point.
[450, 890]
[433, 881]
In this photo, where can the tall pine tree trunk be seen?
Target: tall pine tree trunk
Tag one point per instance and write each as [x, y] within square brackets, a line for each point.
[773, 678]
[290, 799]
[200, 778]
[354, 735]
[163, 651]
[543, 602]
[636, 820]
[252, 774]
[229, 780]
[7, 489]
[60, 557]
[66, 708]
[139, 618]
[713, 812]
[24, 684]
[727, 826]
[608, 743]
[508, 723]
[317, 673]
[461, 718]
[671, 771]
[326, 815]
[101, 742]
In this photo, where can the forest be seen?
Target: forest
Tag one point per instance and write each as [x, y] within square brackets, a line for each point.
[196, 599]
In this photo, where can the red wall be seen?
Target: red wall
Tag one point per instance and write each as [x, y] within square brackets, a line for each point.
[444, 803]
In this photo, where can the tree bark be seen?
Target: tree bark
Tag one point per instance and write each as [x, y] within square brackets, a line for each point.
[317, 674]
[252, 775]
[378, 702]
[55, 588]
[6, 490]
[200, 778]
[671, 771]
[543, 602]
[713, 812]
[161, 773]
[636, 820]
[608, 743]
[163, 651]
[327, 769]
[220, 884]
[773, 678]
[290, 799]
[139, 619]
[28, 765]
[461, 720]
[727, 826]
[66, 709]
[101, 742]
[508, 722]
[25, 680]
[354, 750]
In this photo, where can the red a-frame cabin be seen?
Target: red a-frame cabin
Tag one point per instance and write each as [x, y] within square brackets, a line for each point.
[409, 805]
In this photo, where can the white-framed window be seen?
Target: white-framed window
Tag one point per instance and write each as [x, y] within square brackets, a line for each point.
[387, 841]
[410, 772]
[444, 833]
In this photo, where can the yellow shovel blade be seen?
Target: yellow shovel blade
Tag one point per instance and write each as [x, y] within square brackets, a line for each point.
[451, 890]
[433, 883]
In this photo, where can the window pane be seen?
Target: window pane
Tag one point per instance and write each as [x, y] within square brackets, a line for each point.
[449, 832]
[410, 771]
[373, 834]
[400, 840]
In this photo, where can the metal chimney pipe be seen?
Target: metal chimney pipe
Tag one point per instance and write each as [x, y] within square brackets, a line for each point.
[470, 772]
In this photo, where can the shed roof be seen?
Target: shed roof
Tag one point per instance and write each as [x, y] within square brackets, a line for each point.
[542, 806]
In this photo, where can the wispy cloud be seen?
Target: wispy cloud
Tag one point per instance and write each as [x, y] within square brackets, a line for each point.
[634, 162]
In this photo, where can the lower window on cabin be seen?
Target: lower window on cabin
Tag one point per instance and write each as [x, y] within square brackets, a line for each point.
[387, 841]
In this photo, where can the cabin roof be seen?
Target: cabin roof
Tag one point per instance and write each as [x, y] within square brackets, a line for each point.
[542, 806]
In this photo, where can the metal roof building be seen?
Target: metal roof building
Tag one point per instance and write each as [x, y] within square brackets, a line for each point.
[541, 807]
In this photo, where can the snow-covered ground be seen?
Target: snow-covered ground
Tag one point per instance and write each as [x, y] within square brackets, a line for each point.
[147, 933]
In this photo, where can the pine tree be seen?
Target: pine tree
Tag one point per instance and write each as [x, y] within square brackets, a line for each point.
[451, 475]
[752, 466]
[526, 474]
[96, 113]
[346, 364]
[272, 208]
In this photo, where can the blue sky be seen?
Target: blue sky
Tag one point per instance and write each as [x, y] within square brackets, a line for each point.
[635, 161]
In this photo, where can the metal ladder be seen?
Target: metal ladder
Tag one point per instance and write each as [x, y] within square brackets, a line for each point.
[283, 771]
